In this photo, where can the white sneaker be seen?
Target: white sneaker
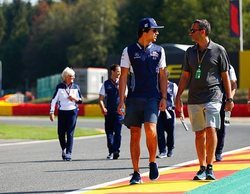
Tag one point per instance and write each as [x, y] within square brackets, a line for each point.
[162, 155]
[68, 157]
[110, 156]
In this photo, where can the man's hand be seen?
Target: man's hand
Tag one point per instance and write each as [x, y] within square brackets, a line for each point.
[163, 104]
[120, 108]
[229, 106]
[104, 111]
[178, 105]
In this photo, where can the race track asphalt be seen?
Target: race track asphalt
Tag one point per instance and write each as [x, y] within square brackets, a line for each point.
[36, 167]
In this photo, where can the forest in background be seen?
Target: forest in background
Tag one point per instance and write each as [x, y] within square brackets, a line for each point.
[42, 39]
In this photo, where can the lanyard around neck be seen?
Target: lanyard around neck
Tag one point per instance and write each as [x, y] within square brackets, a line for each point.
[67, 89]
[115, 83]
[202, 57]
[198, 71]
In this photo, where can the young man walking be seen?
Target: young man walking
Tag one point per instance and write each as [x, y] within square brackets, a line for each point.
[145, 64]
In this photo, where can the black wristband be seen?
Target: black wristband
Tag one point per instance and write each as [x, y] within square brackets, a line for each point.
[229, 100]
[164, 98]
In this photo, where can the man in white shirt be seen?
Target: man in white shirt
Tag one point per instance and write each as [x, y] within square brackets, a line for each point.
[221, 133]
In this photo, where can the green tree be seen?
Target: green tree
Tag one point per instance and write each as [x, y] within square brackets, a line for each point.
[178, 16]
[220, 27]
[41, 40]
[52, 33]
[95, 22]
[130, 12]
[246, 24]
[16, 34]
[2, 25]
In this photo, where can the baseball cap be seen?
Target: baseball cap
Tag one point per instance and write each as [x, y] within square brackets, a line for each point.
[148, 23]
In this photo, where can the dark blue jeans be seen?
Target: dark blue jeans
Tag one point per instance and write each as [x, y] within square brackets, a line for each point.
[221, 133]
[66, 126]
[168, 126]
[113, 128]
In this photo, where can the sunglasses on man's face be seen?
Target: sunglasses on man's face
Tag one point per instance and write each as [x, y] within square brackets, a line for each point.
[194, 30]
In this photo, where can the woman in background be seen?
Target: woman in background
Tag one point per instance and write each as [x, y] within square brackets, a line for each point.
[67, 96]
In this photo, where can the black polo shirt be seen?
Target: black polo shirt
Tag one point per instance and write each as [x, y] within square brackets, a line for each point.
[208, 87]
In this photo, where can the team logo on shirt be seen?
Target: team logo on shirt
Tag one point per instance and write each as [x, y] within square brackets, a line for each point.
[137, 56]
[154, 55]
[109, 87]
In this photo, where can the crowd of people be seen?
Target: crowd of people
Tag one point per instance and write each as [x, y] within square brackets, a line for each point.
[138, 93]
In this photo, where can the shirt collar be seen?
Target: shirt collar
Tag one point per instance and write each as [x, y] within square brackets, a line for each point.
[141, 47]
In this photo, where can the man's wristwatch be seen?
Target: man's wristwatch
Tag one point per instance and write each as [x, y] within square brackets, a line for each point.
[229, 100]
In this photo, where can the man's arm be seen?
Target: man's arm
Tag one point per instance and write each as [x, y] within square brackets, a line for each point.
[122, 89]
[102, 105]
[233, 87]
[163, 88]
[233, 80]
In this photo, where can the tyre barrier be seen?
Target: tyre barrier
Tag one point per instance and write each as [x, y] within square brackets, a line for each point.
[29, 109]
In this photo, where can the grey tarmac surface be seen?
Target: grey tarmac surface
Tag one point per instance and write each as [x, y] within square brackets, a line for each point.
[36, 167]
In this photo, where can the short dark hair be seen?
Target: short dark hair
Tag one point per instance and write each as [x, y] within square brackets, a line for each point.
[140, 31]
[113, 67]
[204, 25]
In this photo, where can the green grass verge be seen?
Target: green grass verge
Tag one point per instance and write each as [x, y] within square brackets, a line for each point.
[237, 183]
[8, 131]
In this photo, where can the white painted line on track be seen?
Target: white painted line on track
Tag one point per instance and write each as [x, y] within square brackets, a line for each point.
[46, 141]
[83, 190]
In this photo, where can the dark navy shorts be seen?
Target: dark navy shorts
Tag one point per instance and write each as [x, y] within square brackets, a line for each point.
[141, 110]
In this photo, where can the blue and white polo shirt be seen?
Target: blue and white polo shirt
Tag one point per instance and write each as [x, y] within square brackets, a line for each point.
[144, 65]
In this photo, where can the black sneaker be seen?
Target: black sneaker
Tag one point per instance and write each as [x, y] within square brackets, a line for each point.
[136, 178]
[63, 155]
[153, 171]
[170, 153]
[201, 174]
[210, 173]
[116, 155]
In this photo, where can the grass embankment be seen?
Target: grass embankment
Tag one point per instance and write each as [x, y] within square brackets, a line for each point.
[8, 131]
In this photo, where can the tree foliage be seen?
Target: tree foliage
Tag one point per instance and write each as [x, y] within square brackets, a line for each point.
[95, 22]
[246, 24]
[14, 38]
[52, 34]
[42, 39]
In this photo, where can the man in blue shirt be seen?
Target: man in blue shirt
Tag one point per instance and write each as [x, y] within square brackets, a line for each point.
[109, 92]
[166, 122]
[144, 62]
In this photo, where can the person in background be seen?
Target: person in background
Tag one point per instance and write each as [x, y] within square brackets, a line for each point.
[145, 64]
[109, 93]
[67, 97]
[28, 96]
[205, 68]
[166, 122]
[221, 133]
